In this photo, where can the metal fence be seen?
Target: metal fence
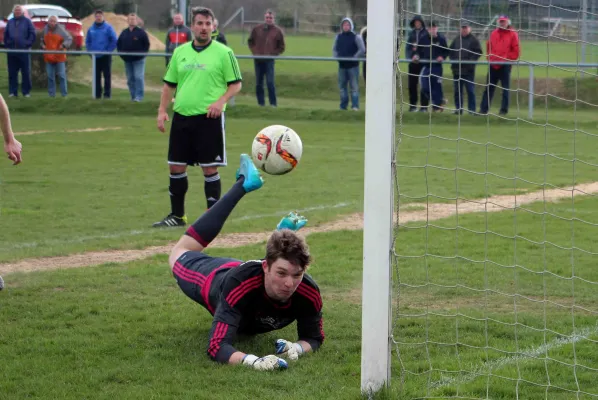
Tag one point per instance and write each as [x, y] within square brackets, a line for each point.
[530, 65]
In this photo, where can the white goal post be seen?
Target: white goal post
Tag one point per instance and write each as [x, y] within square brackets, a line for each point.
[378, 199]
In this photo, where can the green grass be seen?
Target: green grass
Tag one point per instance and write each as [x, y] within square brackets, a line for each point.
[125, 330]
[95, 190]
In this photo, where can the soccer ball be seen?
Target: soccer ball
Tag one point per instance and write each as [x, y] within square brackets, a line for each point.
[276, 150]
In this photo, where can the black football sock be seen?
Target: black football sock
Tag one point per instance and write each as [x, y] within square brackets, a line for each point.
[208, 226]
[212, 188]
[178, 188]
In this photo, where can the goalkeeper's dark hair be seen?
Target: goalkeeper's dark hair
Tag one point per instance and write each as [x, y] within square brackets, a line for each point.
[287, 245]
[206, 12]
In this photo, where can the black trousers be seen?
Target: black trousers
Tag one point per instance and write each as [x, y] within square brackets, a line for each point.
[415, 70]
[103, 67]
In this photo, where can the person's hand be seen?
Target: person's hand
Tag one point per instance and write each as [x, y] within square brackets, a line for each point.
[215, 109]
[287, 349]
[415, 58]
[440, 59]
[292, 221]
[14, 149]
[162, 117]
[267, 363]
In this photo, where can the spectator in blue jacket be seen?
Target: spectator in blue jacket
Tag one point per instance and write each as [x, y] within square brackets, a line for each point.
[433, 46]
[348, 44]
[101, 37]
[134, 40]
[19, 34]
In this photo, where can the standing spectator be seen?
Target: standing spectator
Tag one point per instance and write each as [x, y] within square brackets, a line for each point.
[347, 44]
[364, 36]
[134, 40]
[177, 35]
[101, 37]
[19, 34]
[55, 37]
[432, 47]
[217, 35]
[415, 68]
[465, 47]
[266, 39]
[502, 46]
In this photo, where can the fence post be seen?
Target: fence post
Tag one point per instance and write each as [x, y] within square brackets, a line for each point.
[93, 75]
[295, 21]
[530, 110]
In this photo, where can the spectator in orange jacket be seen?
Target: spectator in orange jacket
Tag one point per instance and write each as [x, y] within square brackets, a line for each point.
[502, 46]
[55, 37]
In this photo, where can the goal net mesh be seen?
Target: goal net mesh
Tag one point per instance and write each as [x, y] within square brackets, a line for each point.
[494, 261]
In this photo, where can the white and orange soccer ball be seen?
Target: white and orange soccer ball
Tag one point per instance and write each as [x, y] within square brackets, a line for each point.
[276, 150]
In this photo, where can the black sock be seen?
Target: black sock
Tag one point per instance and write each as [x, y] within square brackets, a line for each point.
[208, 226]
[178, 188]
[212, 188]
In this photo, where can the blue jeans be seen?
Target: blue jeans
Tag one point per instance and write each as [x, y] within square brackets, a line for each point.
[53, 69]
[431, 83]
[19, 62]
[502, 74]
[135, 71]
[349, 76]
[460, 83]
[264, 68]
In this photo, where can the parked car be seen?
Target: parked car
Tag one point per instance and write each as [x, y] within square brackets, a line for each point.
[39, 13]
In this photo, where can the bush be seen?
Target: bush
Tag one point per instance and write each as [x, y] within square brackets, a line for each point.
[39, 78]
[286, 20]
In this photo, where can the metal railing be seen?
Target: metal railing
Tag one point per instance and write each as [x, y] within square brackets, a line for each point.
[531, 65]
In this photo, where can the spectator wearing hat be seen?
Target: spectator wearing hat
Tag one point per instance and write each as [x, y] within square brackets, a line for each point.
[502, 46]
[465, 47]
[418, 31]
[434, 49]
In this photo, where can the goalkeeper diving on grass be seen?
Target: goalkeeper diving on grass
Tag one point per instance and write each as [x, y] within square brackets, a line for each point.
[251, 297]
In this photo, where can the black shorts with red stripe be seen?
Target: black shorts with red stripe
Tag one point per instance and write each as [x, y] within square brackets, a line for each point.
[196, 273]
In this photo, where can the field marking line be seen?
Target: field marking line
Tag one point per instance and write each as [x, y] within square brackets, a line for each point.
[101, 129]
[350, 222]
[531, 353]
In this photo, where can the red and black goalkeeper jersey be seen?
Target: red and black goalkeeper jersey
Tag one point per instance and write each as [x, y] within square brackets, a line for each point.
[235, 295]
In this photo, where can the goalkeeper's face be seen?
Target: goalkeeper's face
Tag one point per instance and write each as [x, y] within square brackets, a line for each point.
[281, 279]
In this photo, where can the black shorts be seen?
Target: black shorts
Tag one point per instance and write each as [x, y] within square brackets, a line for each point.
[196, 272]
[197, 140]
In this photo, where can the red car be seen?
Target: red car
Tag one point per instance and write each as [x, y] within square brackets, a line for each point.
[38, 14]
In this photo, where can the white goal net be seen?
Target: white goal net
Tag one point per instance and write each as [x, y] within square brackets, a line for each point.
[494, 260]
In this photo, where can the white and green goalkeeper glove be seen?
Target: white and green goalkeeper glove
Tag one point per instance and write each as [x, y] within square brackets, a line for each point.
[293, 221]
[267, 363]
[287, 349]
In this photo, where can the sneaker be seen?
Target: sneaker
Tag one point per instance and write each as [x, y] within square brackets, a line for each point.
[253, 179]
[293, 221]
[355, 109]
[27, 95]
[171, 221]
[412, 109]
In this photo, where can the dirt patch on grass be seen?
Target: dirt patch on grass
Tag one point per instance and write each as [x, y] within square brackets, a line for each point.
[107, 128]
[429, 212]
[543, 86]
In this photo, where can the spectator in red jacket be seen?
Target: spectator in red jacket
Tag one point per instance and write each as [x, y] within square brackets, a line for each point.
[502, 46]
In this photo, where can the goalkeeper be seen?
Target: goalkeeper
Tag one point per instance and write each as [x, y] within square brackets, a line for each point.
[255, 296]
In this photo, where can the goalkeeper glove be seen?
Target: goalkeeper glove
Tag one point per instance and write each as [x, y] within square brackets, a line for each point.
[293, 221]
[267, 363]
[287, 349]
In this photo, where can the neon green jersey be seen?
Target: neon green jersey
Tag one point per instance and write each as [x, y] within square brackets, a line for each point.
[201, 76]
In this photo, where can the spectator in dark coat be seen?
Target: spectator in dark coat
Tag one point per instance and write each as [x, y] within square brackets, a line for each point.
[465, 47]
[19, 34]
[218, 35]
[415, 68]
[134, 40]
[432, 47]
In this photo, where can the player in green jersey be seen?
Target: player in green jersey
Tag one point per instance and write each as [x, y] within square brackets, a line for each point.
[205, 75]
